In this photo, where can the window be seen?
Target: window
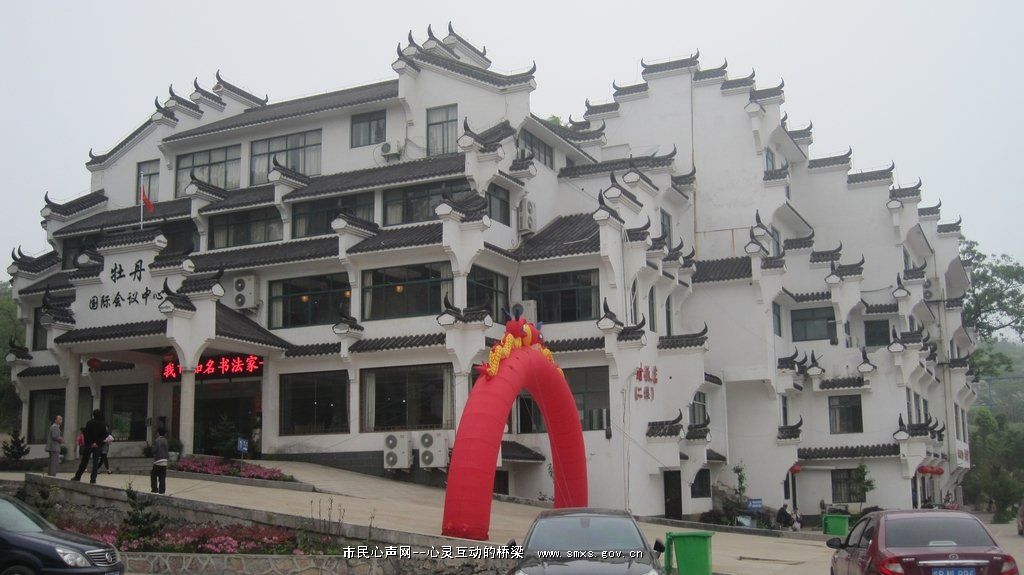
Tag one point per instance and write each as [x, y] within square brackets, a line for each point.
[776, 241]
[148, 180]
[124, 410]
[699, 408]
[917, 408]
[369, 128]
[666, 227]
[314, 403]
[924, 407]
[876, 333]
[963, 418]
[46, 404]
[844, 414]
[784, 408]
[408, 397]
[652, 310]
[314, 300]
[789, 194]
[777, 319]
[314, 218]
[181, 236]
[569, 163]
[926, 530]
[417, 203]
[910, 412]
[245, 228]
[843, 490]
[484, 286]
[701, 486]
[813, 324]
[442, 130]
[589, 386]
[540, 150]
[497, 204]
[71, 248]
[406, 291]
[220, 167]
[634, 300]
[566, 296]
[956, 417]
[769, 159]
[668, 316]
[38, 331]
[299, 152]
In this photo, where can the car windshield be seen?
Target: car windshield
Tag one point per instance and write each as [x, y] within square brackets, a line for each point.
[936, 531]
[20, 519]
[584, 533]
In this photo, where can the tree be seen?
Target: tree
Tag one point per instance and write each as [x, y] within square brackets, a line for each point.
[996, 445]
[995, 301]
[141, 520]
[862, 483]
[10, 405]
[16, 448]
[554, 119]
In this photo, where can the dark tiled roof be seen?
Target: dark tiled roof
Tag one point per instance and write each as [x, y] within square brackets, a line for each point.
[56, 282]
[843, 382]
[685, 179]
[915, 273]
[183, 102]
[199, 283]
[521, 164]
[178, 300]
[565, 236]
[848, 452]
[776, 174]
[840, 160]
[954, 303]
[722, 269]
[627, 90]
[128, 238]
[395, 238]
[422, 169]
[718, 72]
[801, 133]
[397, 342]
[786, 432]
[297, 107]
[81, 203]
[848, 270]
[17, 350]
[223, 84]
[168, 259]
[490, 138]
[600, 108]
[881, 308]
[479, 74]
[246, 197]
[266, 254]
[714, 379]
[774, 262]
[715, 456]
[575, 344]
[666, 428]
[39, 371]
[872, 176]
[94, 159]
[314, 349]
[206, 93]
[233, 325]
[572, 133]
[766, 93]
[126, 217]
[116, 331]
[679, 64]
[471, 205]
[684, 340]
[466, 44]
[799, 243]
[698, 431]
[949, 228]
[34, 265]
[515, 451]
[930, 210]
[899, 193]
[803, 297]
[637, 162]
[114, 366]
[831, 255]
[746, 82]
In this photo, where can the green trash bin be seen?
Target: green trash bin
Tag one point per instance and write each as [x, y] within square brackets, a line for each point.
[691, 552]
[835, 525]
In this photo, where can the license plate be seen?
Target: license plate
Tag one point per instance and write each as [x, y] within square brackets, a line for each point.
[954, 571]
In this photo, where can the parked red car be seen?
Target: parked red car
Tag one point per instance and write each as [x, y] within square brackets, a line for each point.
[920, 542]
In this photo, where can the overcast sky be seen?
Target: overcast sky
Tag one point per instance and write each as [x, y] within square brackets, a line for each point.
[931, 85]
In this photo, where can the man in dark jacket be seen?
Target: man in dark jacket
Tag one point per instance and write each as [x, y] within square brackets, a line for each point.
[158, 476]
[784, 518]
[95, 432]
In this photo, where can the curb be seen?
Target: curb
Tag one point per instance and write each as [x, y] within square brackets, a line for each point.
[794, 535]
[268, 483]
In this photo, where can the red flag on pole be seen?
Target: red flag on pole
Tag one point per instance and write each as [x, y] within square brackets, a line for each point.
[145, 202]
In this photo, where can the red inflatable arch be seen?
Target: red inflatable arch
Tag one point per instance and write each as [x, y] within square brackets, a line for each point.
[520, 361]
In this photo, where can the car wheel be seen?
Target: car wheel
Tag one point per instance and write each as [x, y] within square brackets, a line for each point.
[18, 570]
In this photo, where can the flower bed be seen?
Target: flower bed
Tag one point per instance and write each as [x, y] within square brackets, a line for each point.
[230, 468]
[211, 538]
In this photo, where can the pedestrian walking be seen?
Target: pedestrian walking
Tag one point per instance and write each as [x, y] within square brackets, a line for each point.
[95, 432]
[105, 452]
[161, 453]
[53, 442]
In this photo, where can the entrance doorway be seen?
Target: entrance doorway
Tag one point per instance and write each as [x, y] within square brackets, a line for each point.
[673, 494]
[225, 411]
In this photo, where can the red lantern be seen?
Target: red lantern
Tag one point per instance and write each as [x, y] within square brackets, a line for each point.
[795, 468]
[924, 470]
[94, 363]
[939, 471]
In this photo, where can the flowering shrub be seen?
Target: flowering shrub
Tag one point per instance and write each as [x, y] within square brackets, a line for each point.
[204, 538]
[214, 466]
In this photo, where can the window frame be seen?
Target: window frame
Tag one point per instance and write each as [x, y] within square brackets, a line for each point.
[435, 305]
[569, 284]
[148, 178]
[499, 209]
[316, 215]
[777, 318]
[433, 193]
[138, 428]
[38, 331]
[869, 336]
[698, 408]
[318, 379]
[701, 486]
[666, 227]
[541, 150]
[843, 479]
[585, 383]
[233, 222]
[407, 371]
[368, 119]
[652, 309]
[474, 286]
[841, 422]
[258, 179]
[182, 175]
[448, 131]
[769, 159]
[345, 287]
[802, 334]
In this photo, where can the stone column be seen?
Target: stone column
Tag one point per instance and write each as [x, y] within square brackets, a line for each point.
[71, 423]
[460, 288]
[186, 431]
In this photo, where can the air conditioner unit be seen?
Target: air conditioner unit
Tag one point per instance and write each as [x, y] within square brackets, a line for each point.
[244, 292]
[927, 294]
[433, 449]
[527, 216]
[391, 149]
[397, 454]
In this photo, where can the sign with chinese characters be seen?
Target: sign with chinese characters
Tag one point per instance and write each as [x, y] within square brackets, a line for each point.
[126, 288]
[646, 378]
[216, 367]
